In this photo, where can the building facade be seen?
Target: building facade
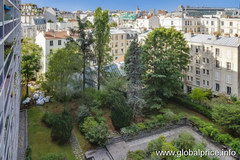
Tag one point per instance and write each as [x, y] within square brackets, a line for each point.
[10, 81]
[214, 64]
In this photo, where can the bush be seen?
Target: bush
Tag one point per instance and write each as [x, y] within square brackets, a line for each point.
[93, 98]
[186, 102]
[94, 131]
[228, 115]
[28, 154]
[62, 128]
[200, 94]
[54, 156]
[83, 112]
[137, 155]
[154, 122]
[185, 141]
[48, 119]
[121, 116]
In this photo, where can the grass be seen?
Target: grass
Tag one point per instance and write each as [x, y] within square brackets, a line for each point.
[39, 134]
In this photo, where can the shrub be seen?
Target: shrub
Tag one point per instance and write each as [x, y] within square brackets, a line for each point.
[98, 114]
[62, 128]
[93, 98]
[94, 131]
[155, 145]
[48, 119]
[121, 116]
[200, 94]
[223, 138]
[54, 156]
[227, 115]
[235, 144]
[28, 154]
[185, 141]
[137, 155]
[83, 112]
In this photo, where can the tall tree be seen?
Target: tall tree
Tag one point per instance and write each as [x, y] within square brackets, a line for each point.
[30, 64]
[165, 57]
[134, 69]
[63, 65]
[84, 43]
[101, 32]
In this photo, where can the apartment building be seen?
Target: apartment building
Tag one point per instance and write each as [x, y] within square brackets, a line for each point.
[10, 80]
[214, 64]
[50, 41]
[147, 22]
[120, 41]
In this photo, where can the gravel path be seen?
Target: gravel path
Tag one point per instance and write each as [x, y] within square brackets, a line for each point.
[23, 135]
[76, 148]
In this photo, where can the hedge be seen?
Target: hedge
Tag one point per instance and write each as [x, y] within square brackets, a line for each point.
[214, 133]
[187, 102]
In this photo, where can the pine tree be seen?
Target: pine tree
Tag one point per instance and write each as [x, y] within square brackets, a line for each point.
[133, 68]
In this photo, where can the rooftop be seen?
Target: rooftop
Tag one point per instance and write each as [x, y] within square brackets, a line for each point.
[58, 35]
[213, 40]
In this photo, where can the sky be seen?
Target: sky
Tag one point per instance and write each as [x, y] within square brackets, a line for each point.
[170, 5]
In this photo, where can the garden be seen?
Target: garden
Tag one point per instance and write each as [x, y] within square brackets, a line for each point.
[103, 104]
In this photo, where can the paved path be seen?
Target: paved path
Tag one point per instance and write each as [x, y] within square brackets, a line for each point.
[141, 144]
[23, 135]
[76, 148]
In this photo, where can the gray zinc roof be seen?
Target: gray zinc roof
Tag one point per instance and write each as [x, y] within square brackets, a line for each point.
[212, 40]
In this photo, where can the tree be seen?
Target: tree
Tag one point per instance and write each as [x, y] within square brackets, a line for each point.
[113, 24]
[60, 19]
[101, 32]
[165, 57]
[227, 115]
[30, 64]
[62, 66]
[200, 94]
[121, 116]
[62, 128]
[84, 43]
[89, 24]
[134, 68]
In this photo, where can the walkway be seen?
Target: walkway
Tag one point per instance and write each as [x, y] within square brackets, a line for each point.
[23, 135]
[76, 148]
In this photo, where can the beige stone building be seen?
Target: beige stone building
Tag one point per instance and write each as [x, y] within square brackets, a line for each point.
[120, 41]
[214, 64]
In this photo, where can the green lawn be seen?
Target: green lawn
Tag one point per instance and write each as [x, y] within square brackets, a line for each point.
[39, 134]
[85, 145]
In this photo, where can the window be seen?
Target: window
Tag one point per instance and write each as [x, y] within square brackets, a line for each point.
[197, 60]
[59, 42]
[229, 79]
[116, 44]
[228, 66]
[204, 82]
[197, 82]
[116, 51]
[212, 23]
[222, 23]
[207, 72]
[207, 60]
[231, 23]
[217, 87]
[217, 76]
[207, 83]
[122, 36]
[51, 43]
[189, 89]
[197, 70]
[217, 53]
[122, 50]
[172, 23]
[217, 64]
[204, 71]
[229, 90]
[191, 78]
[204, 60]
[116, 37]
[230, 31]
[188, 78]
[196, 49]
